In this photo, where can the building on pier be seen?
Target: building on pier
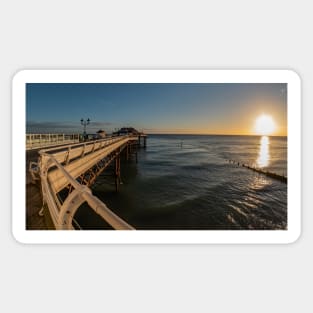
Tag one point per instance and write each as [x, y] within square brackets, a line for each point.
[126, 131]
[101, 134]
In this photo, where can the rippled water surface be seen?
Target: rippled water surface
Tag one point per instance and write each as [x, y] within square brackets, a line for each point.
[187, 182]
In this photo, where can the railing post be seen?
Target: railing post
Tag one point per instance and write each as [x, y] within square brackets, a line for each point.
[83, 153]
[68, 155]
[117, 171]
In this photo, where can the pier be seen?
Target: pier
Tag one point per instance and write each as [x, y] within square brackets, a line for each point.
[59, 179]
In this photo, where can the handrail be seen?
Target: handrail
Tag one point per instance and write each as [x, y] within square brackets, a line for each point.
[87, 143]
[75, 163]
[36, 141]
[85, 195]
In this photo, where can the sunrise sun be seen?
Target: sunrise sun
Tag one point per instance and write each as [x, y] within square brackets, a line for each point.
[264, 125]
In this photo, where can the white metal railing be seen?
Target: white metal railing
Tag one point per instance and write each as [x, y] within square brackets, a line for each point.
[59, 169]
[104, 141]
[78, 158]
[34, 141]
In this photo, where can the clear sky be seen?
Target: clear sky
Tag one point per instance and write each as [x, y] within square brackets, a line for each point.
[155, 108]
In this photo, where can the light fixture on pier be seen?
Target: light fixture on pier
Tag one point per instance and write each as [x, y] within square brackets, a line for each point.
[85, 123]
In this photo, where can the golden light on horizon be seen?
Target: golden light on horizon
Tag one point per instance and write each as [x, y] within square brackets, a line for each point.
[264, 125]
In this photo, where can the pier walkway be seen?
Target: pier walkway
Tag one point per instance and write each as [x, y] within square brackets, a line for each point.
[65, 173]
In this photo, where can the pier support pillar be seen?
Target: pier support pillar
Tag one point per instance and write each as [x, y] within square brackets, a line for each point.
[145, 142]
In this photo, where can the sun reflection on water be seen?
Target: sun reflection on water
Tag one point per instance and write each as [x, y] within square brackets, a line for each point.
[264, 154]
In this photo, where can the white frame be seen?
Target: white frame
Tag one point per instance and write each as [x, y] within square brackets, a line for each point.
[149, 236]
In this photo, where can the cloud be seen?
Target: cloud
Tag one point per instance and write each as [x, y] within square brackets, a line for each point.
[64, 126]
[50, 124]
[100, 124]
[167, 130]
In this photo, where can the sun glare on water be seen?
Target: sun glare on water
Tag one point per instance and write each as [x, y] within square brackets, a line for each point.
[264, 125]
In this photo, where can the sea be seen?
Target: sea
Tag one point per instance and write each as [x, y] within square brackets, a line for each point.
[197, 182]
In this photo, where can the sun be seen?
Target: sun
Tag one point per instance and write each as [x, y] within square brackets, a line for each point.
[264, 125]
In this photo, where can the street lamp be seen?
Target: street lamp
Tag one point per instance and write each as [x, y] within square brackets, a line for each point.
[85, 123]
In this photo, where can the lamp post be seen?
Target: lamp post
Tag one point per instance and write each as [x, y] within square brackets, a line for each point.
[85, 123]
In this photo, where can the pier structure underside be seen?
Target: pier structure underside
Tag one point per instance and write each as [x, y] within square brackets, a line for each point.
[65, 174]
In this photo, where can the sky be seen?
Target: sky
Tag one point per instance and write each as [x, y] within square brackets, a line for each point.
[190, 108]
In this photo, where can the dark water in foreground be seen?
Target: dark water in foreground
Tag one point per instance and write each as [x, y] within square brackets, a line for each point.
[186, 182]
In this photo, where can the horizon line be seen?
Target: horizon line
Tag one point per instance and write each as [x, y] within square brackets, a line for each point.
[166, 133]
[212, 134]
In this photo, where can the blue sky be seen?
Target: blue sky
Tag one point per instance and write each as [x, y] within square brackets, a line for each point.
[154, 108]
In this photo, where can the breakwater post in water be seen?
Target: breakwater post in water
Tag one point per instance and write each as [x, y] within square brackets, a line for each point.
[281, 178]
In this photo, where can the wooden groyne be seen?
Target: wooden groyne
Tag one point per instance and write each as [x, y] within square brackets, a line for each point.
[273, 175]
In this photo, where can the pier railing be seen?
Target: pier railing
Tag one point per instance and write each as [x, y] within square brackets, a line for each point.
[35, 141]
[59, 168]
[62, 214]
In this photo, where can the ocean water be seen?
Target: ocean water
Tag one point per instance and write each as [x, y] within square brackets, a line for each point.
[187, 182]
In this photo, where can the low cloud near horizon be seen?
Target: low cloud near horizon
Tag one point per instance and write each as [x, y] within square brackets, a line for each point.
[65, 127]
